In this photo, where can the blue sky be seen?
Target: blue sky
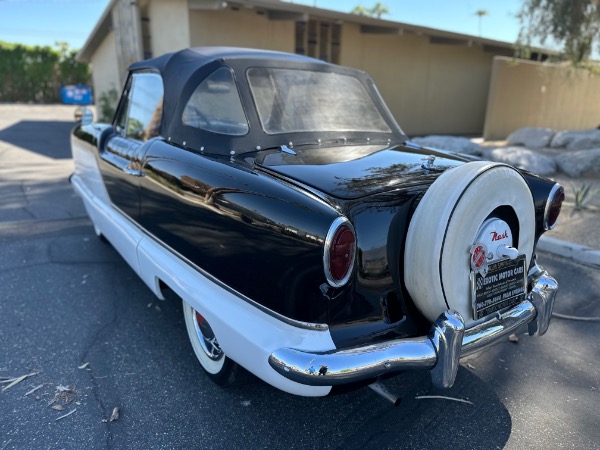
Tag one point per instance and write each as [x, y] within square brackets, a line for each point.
[43, 22]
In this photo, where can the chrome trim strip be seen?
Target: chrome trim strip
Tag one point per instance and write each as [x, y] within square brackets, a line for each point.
[487, 333]
[412, 145]
[326, 262]
[276, 315]
[307, 190]
[440, 351]
[295, 323]
[555, 188]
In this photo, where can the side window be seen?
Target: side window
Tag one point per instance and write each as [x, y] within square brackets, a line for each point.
[216, 106]
[123, 109]
[143, 108]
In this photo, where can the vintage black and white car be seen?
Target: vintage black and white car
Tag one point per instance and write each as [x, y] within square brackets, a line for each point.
[310, 241]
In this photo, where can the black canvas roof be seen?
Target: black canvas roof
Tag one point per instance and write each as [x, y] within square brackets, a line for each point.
[199, 56]
[183, 70]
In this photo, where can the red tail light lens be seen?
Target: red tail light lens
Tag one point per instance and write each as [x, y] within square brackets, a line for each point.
[553, 205]
[340, 247]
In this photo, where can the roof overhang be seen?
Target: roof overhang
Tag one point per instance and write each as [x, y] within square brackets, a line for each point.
[283, 10]
[102, 28]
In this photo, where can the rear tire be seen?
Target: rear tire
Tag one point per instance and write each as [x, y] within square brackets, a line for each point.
[218, 367]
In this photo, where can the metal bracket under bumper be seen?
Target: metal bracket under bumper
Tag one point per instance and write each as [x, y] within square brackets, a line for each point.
[440, 351]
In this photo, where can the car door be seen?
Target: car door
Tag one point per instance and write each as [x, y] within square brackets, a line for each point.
[136, 123]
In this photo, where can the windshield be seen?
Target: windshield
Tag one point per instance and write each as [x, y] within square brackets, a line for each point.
[290, 100]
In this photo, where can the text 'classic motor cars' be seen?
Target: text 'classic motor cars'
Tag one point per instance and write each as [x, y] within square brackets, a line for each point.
[310, 241]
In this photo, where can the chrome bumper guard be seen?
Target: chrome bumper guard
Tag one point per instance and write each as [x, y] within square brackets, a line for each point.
[440, 351]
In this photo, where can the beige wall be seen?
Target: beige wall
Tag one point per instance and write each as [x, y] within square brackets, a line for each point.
[169, 26]
[241, 28]
[430, 88]
[530, 94]
[105, 75]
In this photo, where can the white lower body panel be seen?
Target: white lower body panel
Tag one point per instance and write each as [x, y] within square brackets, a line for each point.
[246, 334]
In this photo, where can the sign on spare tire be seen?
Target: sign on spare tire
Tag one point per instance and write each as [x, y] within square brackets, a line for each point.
[503, 286]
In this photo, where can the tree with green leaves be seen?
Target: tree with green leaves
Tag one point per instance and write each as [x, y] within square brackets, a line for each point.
[70, 71]
[480, 13]
[574, 24]
[35, 74]
[378, 10]
[360, 11]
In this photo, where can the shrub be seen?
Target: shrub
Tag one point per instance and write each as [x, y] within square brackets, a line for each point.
[35, 74]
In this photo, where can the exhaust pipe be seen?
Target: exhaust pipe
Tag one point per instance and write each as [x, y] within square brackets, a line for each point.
[380, 389]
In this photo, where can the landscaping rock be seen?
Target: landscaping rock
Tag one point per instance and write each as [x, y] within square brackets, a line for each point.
[523, 158]
[531, 137]
[580, 162]
[576, 140]
[450, 143]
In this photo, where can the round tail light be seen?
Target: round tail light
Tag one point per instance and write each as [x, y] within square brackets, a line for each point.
[553, 205]
[340, 248]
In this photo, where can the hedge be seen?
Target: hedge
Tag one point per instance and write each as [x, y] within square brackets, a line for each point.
[35, 74]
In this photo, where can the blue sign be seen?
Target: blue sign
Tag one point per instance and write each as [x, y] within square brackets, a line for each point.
[79, 94]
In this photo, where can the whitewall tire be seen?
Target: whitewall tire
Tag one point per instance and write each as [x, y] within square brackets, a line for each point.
[445, 225]
[219, 368]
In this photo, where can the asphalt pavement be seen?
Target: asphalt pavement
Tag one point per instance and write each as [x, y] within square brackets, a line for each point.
[94, 338]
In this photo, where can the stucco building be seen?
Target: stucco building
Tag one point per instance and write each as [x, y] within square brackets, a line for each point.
[433, 81]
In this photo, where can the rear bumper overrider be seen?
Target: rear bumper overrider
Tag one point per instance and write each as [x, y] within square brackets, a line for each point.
[440, 351]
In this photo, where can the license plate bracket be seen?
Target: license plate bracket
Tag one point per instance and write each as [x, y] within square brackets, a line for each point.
[504, 285]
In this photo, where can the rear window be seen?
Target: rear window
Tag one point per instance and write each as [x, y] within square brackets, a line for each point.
[215, 105]
[292, 100]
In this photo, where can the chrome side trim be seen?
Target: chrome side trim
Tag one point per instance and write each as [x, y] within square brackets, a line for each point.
[440, 351]
[113, 209]
[276, 315]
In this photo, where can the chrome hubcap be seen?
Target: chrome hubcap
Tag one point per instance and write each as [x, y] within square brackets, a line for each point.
[207, 338]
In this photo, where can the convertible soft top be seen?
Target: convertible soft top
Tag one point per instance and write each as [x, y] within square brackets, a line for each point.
[183, 70]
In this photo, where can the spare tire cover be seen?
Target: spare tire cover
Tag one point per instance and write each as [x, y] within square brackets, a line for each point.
[445, 225]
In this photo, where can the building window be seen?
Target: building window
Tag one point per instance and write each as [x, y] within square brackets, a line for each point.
[319, 39]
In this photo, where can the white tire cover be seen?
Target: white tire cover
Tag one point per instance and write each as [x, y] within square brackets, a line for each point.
[445, 225]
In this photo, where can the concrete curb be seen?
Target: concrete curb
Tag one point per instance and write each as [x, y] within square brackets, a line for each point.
[578, 253]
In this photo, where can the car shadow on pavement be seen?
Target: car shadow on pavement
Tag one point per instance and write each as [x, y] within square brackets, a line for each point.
[271, 418]
[47, 138]
[96, 326]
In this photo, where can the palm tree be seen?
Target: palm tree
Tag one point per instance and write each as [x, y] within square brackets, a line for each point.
[360, 11]
[480, 13]
[378, 10]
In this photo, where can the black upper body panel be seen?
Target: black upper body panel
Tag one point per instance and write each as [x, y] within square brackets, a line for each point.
[350, 172]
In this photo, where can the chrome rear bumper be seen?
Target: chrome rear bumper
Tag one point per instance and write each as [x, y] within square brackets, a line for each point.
[440, 351]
